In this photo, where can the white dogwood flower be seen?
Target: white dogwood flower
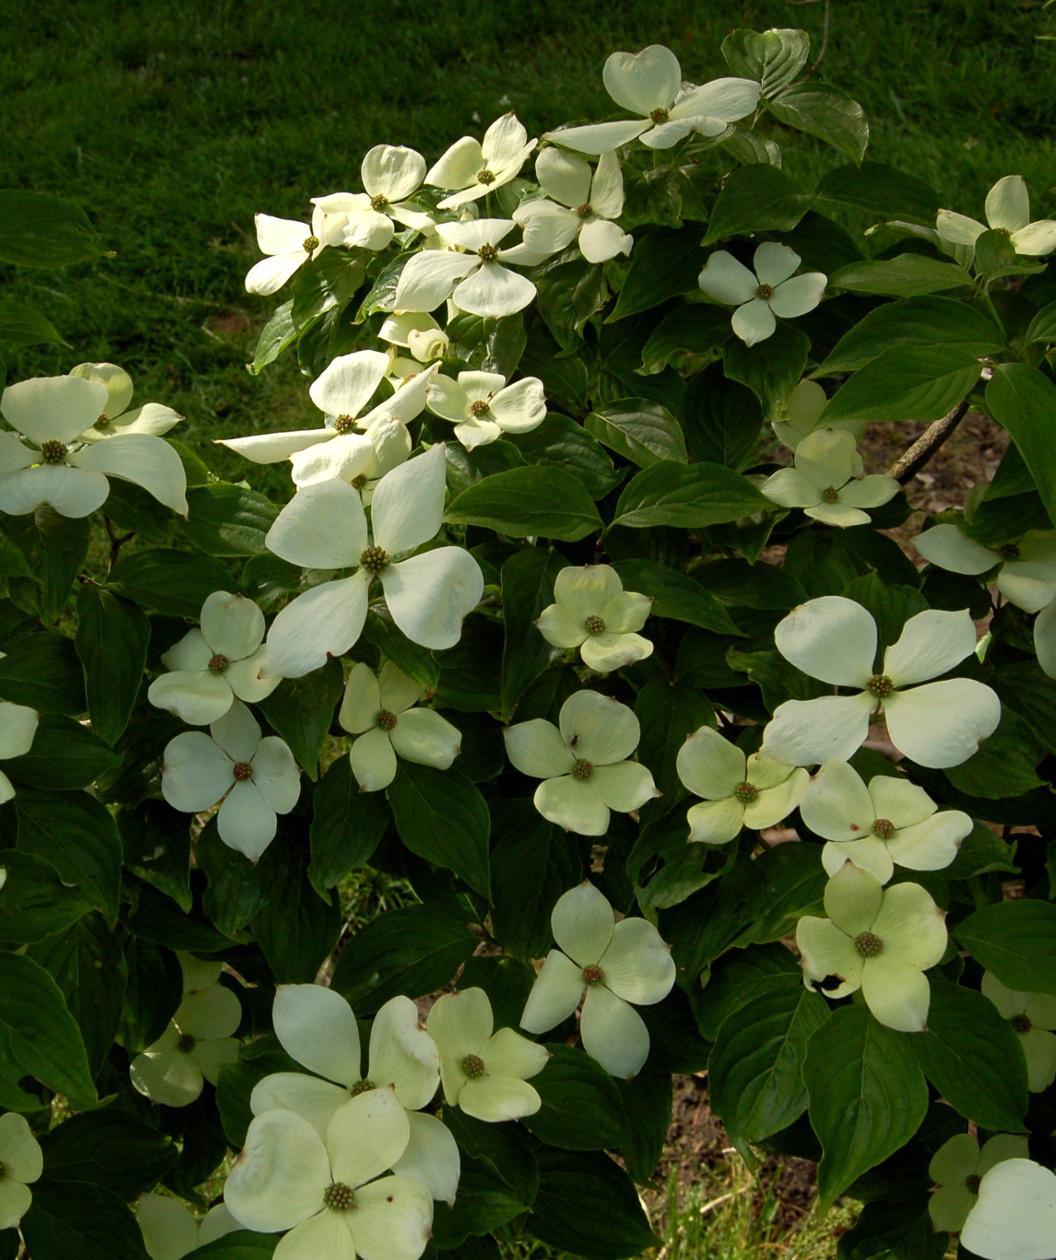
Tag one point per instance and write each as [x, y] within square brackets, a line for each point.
[341, 391]
[211, 667]
[324, 527]
[470, 271]
[890, 823]
[288, 245]
[417, 332]
[18, 728]
[1033, 1019]
[611, 967]
[799, 415]
[770, 289]
[171, 1231]
[583, 762]
[250, 778]
[197, 1043]
[317, 1028]
[834, 639]
[331, 1193]
[880, 940]
[1014, 1217]
[482, 407]
[1007, 211]
[827, 483]
[116, 417]
[737, 791]
[1025, 569]
[49, 458]
[379, 710]
[484, 1073]
[957, 1168]
[593, 612]
[650, 85]
[390, 174]
[476, 168]
[579, 206]
[21, 1163]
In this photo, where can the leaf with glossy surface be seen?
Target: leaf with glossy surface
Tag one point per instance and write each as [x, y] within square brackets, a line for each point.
[906, 383]
[77, 834]
[1023, 401]
[639, 430]
[825, 112]
[905, 275]
[346, 826]
[112, 641]
[40, 230]
[690, 496]
[527, 580]
[756, 198]
[228, 520]
[176, 583]
[675, 595]
[535, 501]
[87, 1221]
[443, 818]
[582, 1109]
[664, 264]
[301, 710]
[1016, 940]
[614, 1226]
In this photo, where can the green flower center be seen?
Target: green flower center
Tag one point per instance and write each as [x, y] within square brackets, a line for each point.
[379, 201]
[884, 828]
[1010, 551]
[765, 291]
[374, 559]
[479, 407]
[582, 770]
[387, 720]
[593, 974]
[473, 1066]
[594, 625]
[1021, 1023]
[487, 253]
[830, 495]
[242, 771]
[309, 244]
[585, 210]
[880, 686]
[745, 792]
[359, 481]
[343, 424]
[186, 1043]
[53, 452]
[361, 1087]
[868, 945]
[103, 421]
[338, 1197]
[972, 1182]
[484, 176]
[218, 663]
[658, 116]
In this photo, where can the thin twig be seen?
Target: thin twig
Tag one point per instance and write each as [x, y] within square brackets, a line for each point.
[825, 23]
[913, 459]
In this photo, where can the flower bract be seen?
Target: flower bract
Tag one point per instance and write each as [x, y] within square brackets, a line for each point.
[474, 168]
[771, 288]
[192, 1050]
[1025, 570]
[1014, 1217]
[593, 612]
[21, 1163]
[580, 205]
[957, 1168]
[826, 481]
[482, 407]
[1033, 1019]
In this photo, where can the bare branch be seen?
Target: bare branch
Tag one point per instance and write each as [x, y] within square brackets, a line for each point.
[913, 459]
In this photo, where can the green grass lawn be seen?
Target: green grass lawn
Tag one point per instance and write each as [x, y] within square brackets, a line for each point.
[173, 123]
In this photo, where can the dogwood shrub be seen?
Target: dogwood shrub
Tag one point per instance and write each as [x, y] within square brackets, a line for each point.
[584, 609]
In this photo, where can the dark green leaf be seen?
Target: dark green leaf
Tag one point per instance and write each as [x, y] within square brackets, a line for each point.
[664, 264]
[689, 496]
[302, 709]
[256, 1059]
[527, 588]
[906, 383]
[534, 863]
[893, 1231]
[824, 111]
[639, 430]
[228, 520]
[756, 198]
[42, 671]
[589, 1206]
[87, 1221]
[582, 1109]
[562, 443]
[773, 58]
[39, 230]
[906, 275]
[157, 842]
[772, 369]
[108, 1149]
[296, 929]
[238, 889]
[112, 640]
[1023, 401]
[1016, 940]
[688, 338]
[65, 754]
[675, 595]
[22, 325]
[77, 834]
[647, 1103]
[176, 583]
[883, 191]
[277, 334]
[443, 818]
[34, 902]
[540, 501]
[347, 825]
[240, 1245]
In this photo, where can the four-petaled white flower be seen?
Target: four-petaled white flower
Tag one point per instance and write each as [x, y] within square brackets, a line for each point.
[470, 272]
[390, 173]
[593, 612]
[957, 1168]
[891, 822]
[880, 940]
[21, 1163]
[317, 1028]
[1025, 569]
[477, 168]
[324, 527]
[484, 1073]
[579, 206]
[379, 709]
[737, 791]
[611, 967]
[330, 1192]
[798, 415]
[342, 391]
[649, 84]
[582, 762]
[1007, 211]
[288, 245]
[1014, 1217]
[210, 667]
[770, 289]
[49, 459]
[197, 1043]
[482, 407]
[827, 482]
[171, 1231]
[1033, 1018]
[250, 778]
[834, 639]
[18, 728]
[116, 417]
